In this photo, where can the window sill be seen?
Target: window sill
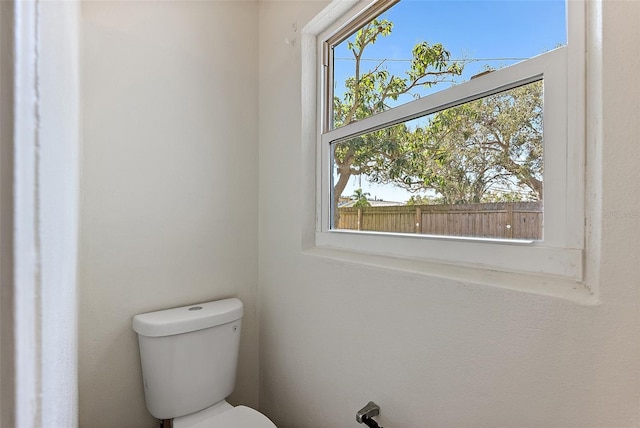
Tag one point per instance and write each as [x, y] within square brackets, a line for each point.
[553, 286]
[511, 256]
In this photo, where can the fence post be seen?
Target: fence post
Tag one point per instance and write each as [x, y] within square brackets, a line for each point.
[418, 219]
[509, 220]
[359, 218]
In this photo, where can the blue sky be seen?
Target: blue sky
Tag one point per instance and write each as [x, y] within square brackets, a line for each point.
[470, 30]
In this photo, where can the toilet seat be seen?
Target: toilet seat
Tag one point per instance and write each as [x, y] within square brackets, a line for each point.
[236, 417]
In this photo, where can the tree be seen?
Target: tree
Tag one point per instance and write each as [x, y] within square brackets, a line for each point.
[475, 151]
[361, 199]
[369, 92]
[510, 124]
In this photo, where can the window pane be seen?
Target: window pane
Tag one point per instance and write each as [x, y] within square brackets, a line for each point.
[418, 47]
[472, 170]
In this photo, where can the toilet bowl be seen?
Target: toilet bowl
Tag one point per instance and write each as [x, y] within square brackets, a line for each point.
[224, 415]
[189, 359]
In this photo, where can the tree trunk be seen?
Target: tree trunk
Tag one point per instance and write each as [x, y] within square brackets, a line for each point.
[344, 174]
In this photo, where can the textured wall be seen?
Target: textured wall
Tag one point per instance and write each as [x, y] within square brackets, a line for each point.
[58, 185]
[173, 108]
[169, 192]
[441, 352]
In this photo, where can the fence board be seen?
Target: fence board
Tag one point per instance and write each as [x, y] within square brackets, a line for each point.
[517, 220]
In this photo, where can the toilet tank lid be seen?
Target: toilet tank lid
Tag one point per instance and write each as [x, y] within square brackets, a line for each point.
[187, 318]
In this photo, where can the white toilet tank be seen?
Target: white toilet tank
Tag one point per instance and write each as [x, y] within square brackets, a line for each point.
[189, 356]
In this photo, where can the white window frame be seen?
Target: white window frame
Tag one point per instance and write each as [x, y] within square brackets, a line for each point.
[560, 254]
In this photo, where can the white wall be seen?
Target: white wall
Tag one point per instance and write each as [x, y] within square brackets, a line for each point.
[169, 185]
[438, 352]
[57, 190]
[179, 125]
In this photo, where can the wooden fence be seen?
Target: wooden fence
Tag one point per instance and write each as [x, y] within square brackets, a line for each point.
[510, 220]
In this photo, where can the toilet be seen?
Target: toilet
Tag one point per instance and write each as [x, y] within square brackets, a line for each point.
[189, 358]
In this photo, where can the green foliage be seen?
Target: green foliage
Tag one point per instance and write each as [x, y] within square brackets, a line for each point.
[465, 151]
[511, 196]
[419, 200]
[369, 91]
[361, 199]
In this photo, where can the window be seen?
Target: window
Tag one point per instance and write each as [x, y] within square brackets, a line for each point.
[446, 133]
